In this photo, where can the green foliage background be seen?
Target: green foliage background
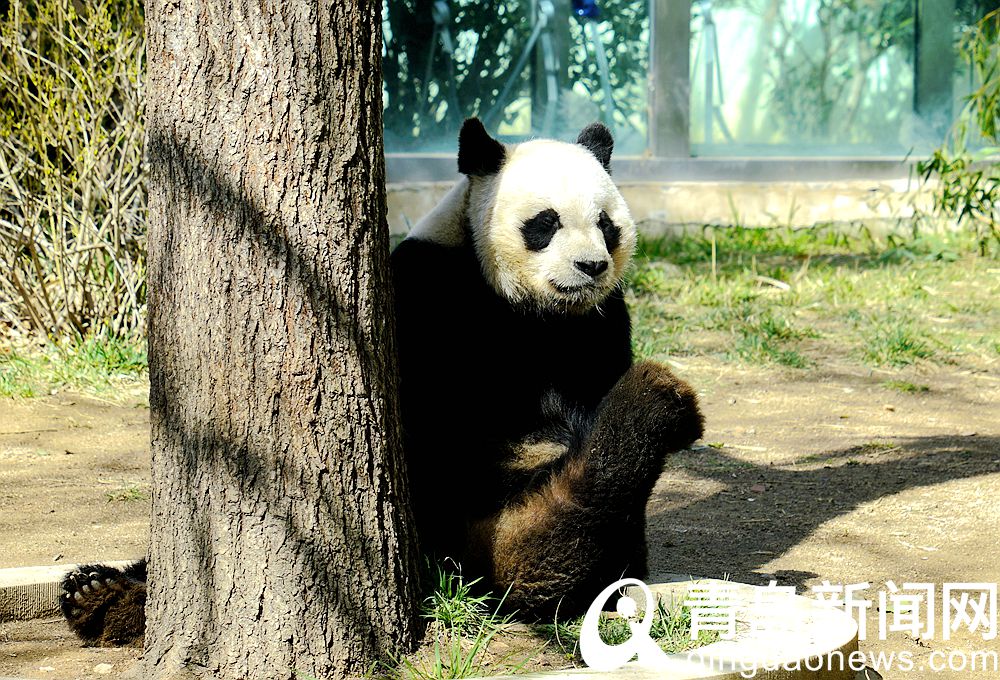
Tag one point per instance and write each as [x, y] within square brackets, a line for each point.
[426, 113]
[966, 167]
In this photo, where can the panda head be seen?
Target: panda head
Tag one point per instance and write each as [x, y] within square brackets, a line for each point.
[548, 225]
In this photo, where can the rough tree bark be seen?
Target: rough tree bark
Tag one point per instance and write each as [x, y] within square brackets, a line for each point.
[281, 536]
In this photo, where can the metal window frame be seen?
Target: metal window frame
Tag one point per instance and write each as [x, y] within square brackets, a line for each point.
[408, 168]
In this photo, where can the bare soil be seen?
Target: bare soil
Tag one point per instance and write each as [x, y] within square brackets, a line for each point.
[803, 476]
[74, 480]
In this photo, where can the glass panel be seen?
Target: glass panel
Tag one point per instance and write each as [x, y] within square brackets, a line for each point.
[809, 77]
[526, 68]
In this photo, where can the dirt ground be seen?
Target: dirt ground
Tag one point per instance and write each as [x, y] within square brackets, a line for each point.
[74, 480]
[803, 476]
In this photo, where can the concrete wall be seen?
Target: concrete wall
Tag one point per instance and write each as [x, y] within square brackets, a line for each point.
[660, 207]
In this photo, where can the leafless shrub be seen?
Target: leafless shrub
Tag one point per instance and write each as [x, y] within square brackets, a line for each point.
[72, 186]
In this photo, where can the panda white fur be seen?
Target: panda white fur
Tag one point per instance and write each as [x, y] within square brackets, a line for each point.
[531, 440]
[552, 210]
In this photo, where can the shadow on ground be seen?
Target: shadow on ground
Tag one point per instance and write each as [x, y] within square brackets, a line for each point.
[763, 511]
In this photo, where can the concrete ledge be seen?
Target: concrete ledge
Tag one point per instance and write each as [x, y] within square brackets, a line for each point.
[33, 592]
[809, 634]
[441, 167]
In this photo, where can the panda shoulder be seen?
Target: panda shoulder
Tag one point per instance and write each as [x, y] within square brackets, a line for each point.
[425, 272]
[445, 224]
[435, 249]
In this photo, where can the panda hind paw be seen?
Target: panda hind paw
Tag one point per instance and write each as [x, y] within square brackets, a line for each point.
[90, 599]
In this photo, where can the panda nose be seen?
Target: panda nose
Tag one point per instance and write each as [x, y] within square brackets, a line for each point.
[592, 268]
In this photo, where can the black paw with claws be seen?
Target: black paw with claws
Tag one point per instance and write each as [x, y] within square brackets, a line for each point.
[105, 605]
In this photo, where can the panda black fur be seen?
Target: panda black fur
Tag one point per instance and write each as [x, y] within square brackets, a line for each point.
[532, 441]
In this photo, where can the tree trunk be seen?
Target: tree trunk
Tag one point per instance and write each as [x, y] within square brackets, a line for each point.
[281, 538]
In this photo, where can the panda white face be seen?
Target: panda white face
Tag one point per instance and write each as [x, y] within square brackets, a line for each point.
[548, 224]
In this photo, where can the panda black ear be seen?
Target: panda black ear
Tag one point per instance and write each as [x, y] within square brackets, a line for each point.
[478, 153]
[597, 139]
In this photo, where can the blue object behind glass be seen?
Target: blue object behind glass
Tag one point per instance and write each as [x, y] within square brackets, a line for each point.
[586, 9]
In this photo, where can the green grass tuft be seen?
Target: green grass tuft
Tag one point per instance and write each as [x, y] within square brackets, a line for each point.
[127, 494]
[764, 336]
[92, 365]
[894, 344]
[905, 386]
[462, 625]
[877, 446]
[756, 349]
[454, 605]
[648, 278]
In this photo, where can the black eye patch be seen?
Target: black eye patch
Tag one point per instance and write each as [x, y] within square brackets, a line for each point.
[539, 230]
[612, 234]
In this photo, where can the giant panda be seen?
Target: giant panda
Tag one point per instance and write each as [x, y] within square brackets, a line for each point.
[532, 441]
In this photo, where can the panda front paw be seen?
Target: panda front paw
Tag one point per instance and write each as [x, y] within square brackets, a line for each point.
[653, 404]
